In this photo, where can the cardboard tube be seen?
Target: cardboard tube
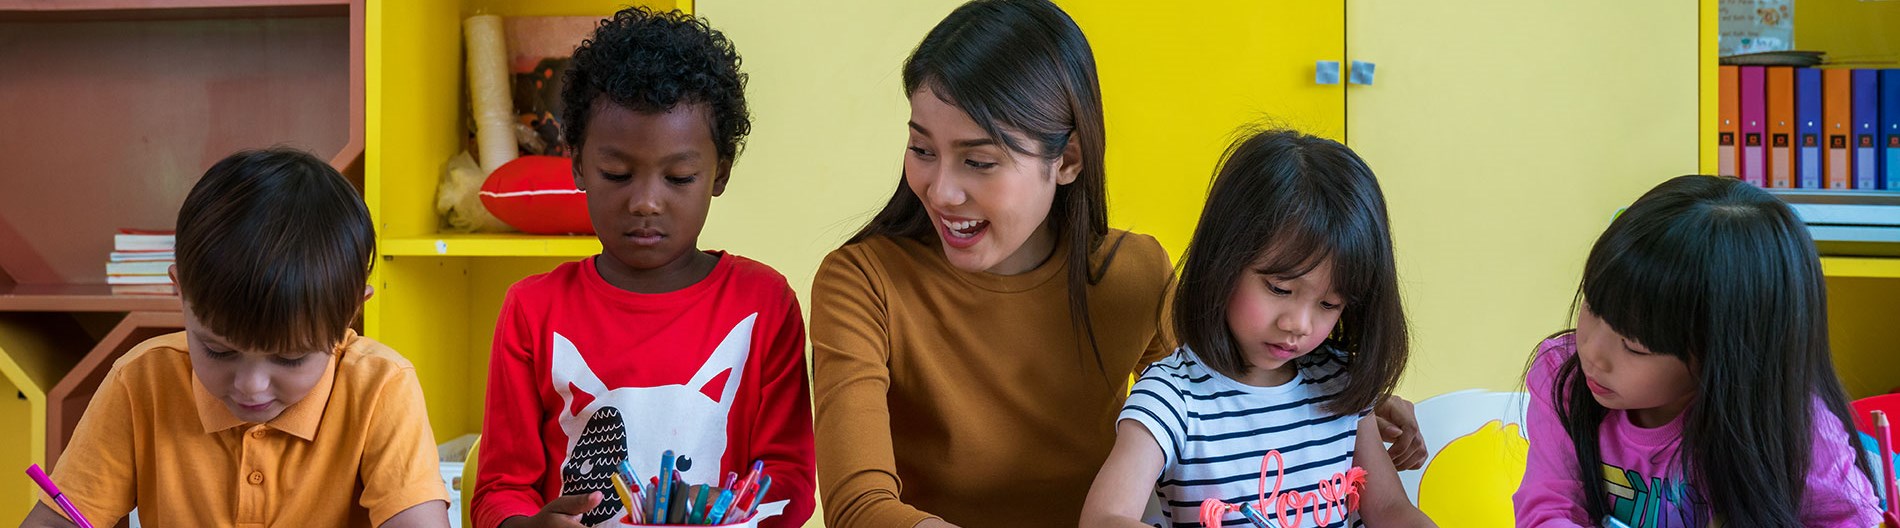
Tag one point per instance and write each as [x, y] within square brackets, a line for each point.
[489, 91]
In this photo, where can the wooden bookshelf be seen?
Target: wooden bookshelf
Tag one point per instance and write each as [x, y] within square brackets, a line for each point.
[120, 106]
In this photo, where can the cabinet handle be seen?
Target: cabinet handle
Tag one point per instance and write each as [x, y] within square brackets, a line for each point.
[1326, 72]
[1361, 73]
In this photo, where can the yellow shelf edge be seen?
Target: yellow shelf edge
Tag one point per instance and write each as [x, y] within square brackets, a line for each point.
[491, 246]
[1861, 267]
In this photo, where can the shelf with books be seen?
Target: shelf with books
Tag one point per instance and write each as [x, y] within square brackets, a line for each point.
[79, 298]
[210, 77]
[1853, 215]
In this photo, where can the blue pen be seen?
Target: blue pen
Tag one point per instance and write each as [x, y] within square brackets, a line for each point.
[663, 498]
[1253, 515]
[1612, 522]
[717, 514]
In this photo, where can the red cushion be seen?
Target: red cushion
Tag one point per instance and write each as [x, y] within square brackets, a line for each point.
[536, 195]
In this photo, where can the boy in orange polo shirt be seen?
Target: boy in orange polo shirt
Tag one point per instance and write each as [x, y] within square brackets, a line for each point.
[267, 410]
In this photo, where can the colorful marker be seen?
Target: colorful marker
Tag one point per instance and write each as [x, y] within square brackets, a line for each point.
[1253, 515]
[46, 484]
[626, 497]
[765, 483]
[717, 515]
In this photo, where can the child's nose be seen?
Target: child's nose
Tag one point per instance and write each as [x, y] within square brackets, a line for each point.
[1297, 322]
[644, 200]
[1588, 357]
[251, 380]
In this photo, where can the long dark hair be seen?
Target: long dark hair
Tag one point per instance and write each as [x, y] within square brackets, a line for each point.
[1294, 200]
[1021, 66]
[1722, 275]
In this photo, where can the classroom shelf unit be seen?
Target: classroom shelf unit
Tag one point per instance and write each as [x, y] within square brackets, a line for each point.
[117, 106]
[1863, 291]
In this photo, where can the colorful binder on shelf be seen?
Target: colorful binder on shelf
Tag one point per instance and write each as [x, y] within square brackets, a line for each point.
[1836, 113]
[1808, 156]
[1780, 92]
[1866, 137]
[1890, 128]
[1754, 109]
[1729, 127]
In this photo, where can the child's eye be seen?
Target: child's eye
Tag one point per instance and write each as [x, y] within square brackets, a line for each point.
[978, 165]
[220, 355]
[1330, 306]
[615, 177]
[682, 180]
[289, 362]
[921, 153]
[1632, 349]
[1276, 290]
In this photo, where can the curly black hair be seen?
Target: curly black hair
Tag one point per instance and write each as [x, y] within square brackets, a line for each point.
[651, 61]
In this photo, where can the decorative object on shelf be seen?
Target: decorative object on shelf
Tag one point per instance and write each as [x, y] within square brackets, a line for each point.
[539, 50]
[536, 194]
[1749, 26]
[458, 198]
[488, 91]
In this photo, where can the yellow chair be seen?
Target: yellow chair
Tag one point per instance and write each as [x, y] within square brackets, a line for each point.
[466, 484]
[1476, 456]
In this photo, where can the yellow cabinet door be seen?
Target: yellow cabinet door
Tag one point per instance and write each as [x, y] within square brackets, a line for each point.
[1505, 134]
[1179, 79]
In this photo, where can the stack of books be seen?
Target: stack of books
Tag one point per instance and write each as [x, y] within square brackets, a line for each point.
[141, 262]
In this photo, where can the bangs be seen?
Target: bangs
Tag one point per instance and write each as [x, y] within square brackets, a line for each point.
[1308, 232]
[1678, 270]
[1646, 292]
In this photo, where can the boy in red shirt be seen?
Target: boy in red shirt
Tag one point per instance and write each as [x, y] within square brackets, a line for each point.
[653, 345]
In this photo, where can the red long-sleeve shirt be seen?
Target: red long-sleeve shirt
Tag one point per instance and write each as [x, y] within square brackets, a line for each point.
[584, 375]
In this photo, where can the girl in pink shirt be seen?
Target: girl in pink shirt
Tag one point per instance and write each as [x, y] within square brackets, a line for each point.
[1697, 387]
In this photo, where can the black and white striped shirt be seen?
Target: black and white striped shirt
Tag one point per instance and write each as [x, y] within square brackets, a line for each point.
[1214, 431]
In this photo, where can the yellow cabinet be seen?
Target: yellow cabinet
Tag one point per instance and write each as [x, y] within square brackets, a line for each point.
[1504, 134]
[1179, 82]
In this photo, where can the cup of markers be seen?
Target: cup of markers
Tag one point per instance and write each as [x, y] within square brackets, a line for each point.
[667, 500]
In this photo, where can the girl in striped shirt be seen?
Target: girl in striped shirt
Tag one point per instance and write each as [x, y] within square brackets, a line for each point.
[1291, 328]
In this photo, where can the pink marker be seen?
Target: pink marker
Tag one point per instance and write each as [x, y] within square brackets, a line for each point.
[39, 476]
[1885, 440]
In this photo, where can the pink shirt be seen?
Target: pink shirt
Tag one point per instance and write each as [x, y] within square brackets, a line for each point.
[1642, 468]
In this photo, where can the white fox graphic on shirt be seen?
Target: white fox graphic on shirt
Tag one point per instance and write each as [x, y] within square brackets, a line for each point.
[682, 418]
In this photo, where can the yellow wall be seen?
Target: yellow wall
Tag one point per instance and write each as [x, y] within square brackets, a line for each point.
[1505, 134]
[828, 132]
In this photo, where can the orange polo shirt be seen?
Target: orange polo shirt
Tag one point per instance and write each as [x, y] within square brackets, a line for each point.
[354, 452]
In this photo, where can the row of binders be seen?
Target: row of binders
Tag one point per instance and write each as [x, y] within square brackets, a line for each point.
[1808, 128]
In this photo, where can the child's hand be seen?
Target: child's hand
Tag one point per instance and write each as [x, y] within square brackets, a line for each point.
[562, 512]
[44, 517]
[1398, 424]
